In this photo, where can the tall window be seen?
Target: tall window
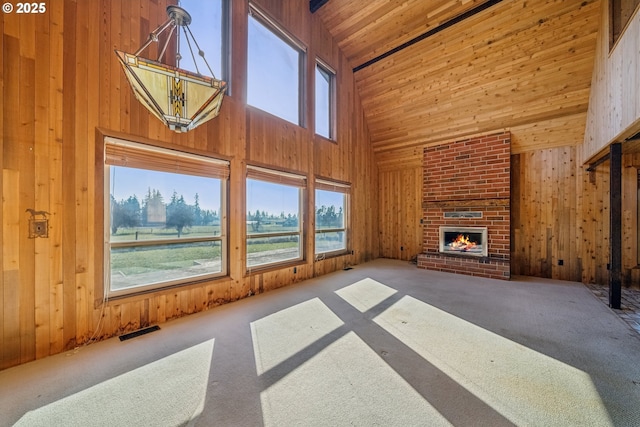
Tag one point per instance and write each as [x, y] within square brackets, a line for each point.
[331, 217]
[165, 220]
[325, 101]
[274, 216]
[209, 26]
[275, 63]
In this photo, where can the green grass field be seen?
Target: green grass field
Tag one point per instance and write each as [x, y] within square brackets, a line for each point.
[133, 260]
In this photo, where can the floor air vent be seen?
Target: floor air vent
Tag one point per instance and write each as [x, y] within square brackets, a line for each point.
[138, 332]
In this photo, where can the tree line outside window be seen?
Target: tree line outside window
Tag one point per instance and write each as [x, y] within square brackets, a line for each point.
[153, 211]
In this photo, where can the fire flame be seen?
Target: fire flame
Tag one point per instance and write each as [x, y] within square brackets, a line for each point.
[462, 243]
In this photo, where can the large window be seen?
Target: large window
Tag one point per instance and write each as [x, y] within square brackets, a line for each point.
[324, 101]
[209, 27]
[165, 220]
[274, 217]
[331, 217]
[274, 75]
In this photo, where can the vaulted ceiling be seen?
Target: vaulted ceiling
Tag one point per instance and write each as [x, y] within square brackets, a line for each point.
[478, 65]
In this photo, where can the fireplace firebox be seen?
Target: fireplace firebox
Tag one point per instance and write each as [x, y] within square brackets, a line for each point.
[466, 241]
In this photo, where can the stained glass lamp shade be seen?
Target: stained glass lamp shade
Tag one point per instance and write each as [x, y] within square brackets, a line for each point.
[181, 99]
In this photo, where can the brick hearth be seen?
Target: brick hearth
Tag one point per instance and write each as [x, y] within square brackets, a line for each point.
[471, 175]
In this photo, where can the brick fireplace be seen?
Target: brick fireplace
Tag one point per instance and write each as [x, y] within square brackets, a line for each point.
[466, 198]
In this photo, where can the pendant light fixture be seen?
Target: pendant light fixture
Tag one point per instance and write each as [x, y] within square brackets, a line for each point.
[181, 99]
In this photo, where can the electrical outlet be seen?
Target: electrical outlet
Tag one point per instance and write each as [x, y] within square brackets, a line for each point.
[560, 262]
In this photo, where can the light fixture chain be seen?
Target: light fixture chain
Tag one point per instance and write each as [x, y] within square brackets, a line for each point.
[200, 51]
[186, 36]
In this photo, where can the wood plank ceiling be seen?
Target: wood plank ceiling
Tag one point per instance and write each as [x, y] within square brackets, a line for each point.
[515, 63]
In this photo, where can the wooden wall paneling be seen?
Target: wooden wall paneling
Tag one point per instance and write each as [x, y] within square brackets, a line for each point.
[599, 217]
[124, 43]
[392, 218]
[115, 318]
[534, 220]
[576, 214]
[386, 201]
[82, 162]
[144, 312]
[400, 213]
[69, 176]
[186, 297]
[11, 267]
[48, 284]
[560, 217]
[116, 79]
[161, 308]
[238, 131]
[26, 162]
[546, 208]
[549, 214]
[568, 215]
[105, 50]
[55, 110]
[125, 317]
[588, 225]
[131, 24]
[11, 214]
[532, 226]
[547, 241]
[42, 189]
[411, 184]
[614, 107]
[517, 259]
[630, 219]
[518, 238]
[628, 70]
[139, 115]
[94, 186]
[603, 231]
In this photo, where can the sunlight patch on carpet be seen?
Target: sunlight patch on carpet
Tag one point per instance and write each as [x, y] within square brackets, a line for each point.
[285, 333]
[167, 392]
[346, 383]
[365, 294]
[527, 387]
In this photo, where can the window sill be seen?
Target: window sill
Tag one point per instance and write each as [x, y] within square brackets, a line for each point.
[274, 267]
[328, 255]
[325, 139]
[141, 294]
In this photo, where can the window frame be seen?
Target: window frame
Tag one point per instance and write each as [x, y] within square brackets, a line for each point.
[336, 187]
[280, 32]
[324, 68]
[618, 21]
[125, 153]
[278, 177]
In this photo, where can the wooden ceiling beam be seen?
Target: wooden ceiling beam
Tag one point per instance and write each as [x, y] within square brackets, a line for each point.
[431, 32]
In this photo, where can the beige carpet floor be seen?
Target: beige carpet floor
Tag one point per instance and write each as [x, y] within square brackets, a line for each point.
[382, 344]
